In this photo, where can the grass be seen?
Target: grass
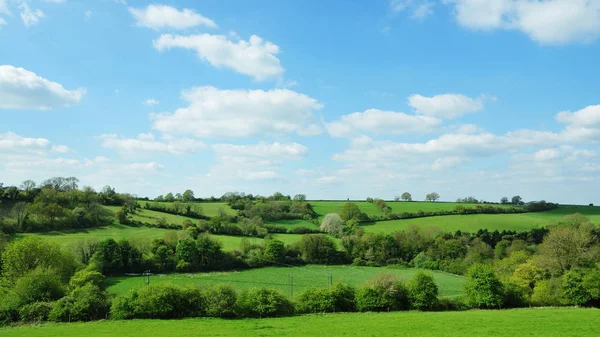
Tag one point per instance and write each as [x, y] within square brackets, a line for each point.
[279, 278]
[292, 223]
[148, 216]
[474, 222]
[324, 207]
[545, 322]
[116, 231]
[208, 208]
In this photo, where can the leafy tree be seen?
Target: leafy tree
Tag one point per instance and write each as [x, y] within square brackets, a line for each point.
[84, 277]
[351, 211]
[19, 212]
[275, 251]
[504, 201]
[406, 196]
[423, 292]
[221, 301]
[160, 198]
[188, 196]
[548, 293]
[566, 247]
[300, 197]
[317, 248]
[516, 200]
[582, 286]
[108, 257]
[178, 196]
[84, 303]
[39, 285]
[332, 224]
[169, 197]
[25, 255]
[263, 302]
[383, 293]
[433, 196]
[28, 185]
[483, 288]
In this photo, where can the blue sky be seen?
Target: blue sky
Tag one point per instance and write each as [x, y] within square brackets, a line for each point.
[334, 99]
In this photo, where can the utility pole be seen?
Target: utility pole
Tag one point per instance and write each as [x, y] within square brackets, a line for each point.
[147, 274]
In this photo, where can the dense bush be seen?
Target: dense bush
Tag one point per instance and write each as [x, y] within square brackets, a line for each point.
[86, 303]
[383, 293]
[35, 312]
[221, 301]
[263, 302]
[340, 298]
[483, 289]
[423, 292]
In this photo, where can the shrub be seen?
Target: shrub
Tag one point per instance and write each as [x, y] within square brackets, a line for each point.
[83, 304]
[220, 301]
[483, 288]
[423, 292]
[344, 298]
[582, 286]
[160, 301]
[384, 293]
[548, 293]
[315, 300]
[35, 312]
[39, 285]
[84, 277]
[263, 302]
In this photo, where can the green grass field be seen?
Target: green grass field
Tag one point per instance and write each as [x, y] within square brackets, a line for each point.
[544, 322]
[324, 207]
[68, 237]
[474, 222]
[208, 208]
[279, 278]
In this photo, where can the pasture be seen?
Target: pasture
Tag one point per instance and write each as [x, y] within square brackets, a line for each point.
[541, 322]
[491, 222]
[208, 208]
[280, 278]
[117, 232]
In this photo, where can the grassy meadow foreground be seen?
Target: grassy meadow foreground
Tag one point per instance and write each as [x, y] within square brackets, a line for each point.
[542, 322]
[279, 278]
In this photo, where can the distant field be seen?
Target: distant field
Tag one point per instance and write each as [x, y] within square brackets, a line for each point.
[148, 216]
[324, 207]
[292, 223]
[544, 322]
[279, 278]
[474, 222]
[117, 232]
[209, 208]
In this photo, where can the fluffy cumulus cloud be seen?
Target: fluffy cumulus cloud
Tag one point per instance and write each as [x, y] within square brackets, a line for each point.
[445, 106]
[162, 16]
[378, 121]
[146, 143]
[544, 21]
[23, 89]
[255, 57]
[240, 113]
[10, 141]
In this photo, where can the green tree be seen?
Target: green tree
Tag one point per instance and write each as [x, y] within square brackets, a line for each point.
[516, 200]
[317, 248]
[382, 293]
[188, 196]
[300, 197]
[483, 288]
[263, 302]
[433, 196]
[275, 251]
[406, 196]
[169, 197]
[582, 286]
[351, 211]
[423, 292]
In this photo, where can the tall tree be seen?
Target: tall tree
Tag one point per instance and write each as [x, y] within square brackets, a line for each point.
[188, 196]
[406, 196]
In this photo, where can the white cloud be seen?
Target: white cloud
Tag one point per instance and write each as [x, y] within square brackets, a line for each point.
[161, 16]
[304, 172]
[275, 151]
[399, 5]
[445, 106]
[150, 101]
[420, 8]
[2, 22]
[10, 141]
[60, 149]
[4, 7]
[146, 143]
[378, 121]
[240, 113]
[255, 57]
[547, 21]
[446, 163]
[144, 167]
[30, 17]
[23, 89]
[327, 180]
[586, 117]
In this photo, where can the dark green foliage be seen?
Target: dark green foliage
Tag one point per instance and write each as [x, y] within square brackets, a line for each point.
[263, 302]
[220, 301]
[39, 285]
[315, 300]
[86, 303]
[274, 251]
[483, 288]
[582, 286]
[317, 248]
[423, 292]
[383, 293]
[35, 312]
[351, 211]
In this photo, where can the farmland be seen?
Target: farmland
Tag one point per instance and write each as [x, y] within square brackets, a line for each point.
[117, 232]
[279, 278]
[209, 209]
[540, 322]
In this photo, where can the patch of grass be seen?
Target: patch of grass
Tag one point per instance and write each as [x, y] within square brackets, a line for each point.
[545, 322]
[208, 208]
[491, 222]
[279, 278]
[292, 223]
[117, 232]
